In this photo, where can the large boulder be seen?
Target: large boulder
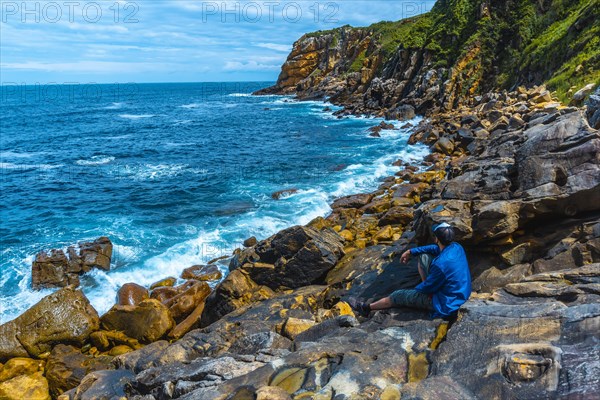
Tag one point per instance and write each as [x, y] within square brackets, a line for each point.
[57, 269]
[295, 257]
[147, 322]
[65, 316]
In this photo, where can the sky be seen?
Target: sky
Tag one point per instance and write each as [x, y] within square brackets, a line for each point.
[109, 41]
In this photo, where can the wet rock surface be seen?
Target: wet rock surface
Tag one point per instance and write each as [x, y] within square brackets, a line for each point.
[62, 317]
[57, 269]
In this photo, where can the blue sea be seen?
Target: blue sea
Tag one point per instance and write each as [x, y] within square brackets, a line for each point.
[174, 174]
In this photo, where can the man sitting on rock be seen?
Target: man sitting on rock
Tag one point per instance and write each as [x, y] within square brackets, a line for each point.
[445, 274]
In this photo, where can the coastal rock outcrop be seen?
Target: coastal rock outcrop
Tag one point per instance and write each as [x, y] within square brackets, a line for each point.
[295, 257]
[440, 60]
[65, 316]
[57, 269]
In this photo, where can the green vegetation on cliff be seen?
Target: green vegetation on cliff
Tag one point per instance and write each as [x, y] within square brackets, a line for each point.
[498, 45]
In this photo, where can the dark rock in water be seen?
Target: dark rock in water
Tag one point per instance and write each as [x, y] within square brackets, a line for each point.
[401, 113]
[131, 294]
[67, 366]
[96, 254]
[51, 270]
[146, 322]
[65, 316]
[234, 208]
[327, 109]
[282, 193]
[58, 270]
[375, 130]
[353, 201]
[251, 241]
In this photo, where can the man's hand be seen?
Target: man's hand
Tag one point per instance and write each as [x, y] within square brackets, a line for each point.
[405, 256]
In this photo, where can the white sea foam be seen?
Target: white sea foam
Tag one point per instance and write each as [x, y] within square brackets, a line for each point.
[114, 106]
[136, 116]
[12, 166]
[240, 95]
[190, 106]
[146, 171]
[96, 160]
[12, 154]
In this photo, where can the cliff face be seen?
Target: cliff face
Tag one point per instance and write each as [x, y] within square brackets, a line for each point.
[441, 59]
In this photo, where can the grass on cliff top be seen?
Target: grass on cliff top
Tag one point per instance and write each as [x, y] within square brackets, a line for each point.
[568, 48]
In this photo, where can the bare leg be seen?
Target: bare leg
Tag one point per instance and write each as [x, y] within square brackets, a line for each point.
[421, 272]
[382, 304]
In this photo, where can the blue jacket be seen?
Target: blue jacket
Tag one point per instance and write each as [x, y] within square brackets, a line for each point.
[449, 278]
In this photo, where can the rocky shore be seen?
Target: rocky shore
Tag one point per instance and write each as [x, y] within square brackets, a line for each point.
[517, 174]
[515, 171]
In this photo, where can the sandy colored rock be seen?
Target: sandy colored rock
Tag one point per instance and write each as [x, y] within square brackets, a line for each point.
[295, 326]
[167, 282]
[202, 273]
[146, 322]
[30, 387]
[340, 308]
[104, 340]
[272, 393]
[20, 366]
[64, 316]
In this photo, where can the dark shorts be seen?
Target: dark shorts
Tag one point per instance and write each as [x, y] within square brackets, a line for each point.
[410, 297]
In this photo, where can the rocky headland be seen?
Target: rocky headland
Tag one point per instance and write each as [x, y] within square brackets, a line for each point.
[514, 167]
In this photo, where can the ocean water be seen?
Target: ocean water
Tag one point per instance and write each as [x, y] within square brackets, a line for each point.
[174, 174]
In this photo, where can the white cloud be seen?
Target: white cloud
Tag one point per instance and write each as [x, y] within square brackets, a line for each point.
[101, 67]
[250, 66]
[274, 46]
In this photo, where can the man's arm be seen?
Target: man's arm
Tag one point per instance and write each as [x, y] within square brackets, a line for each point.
[434, 282]
[432, 249]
